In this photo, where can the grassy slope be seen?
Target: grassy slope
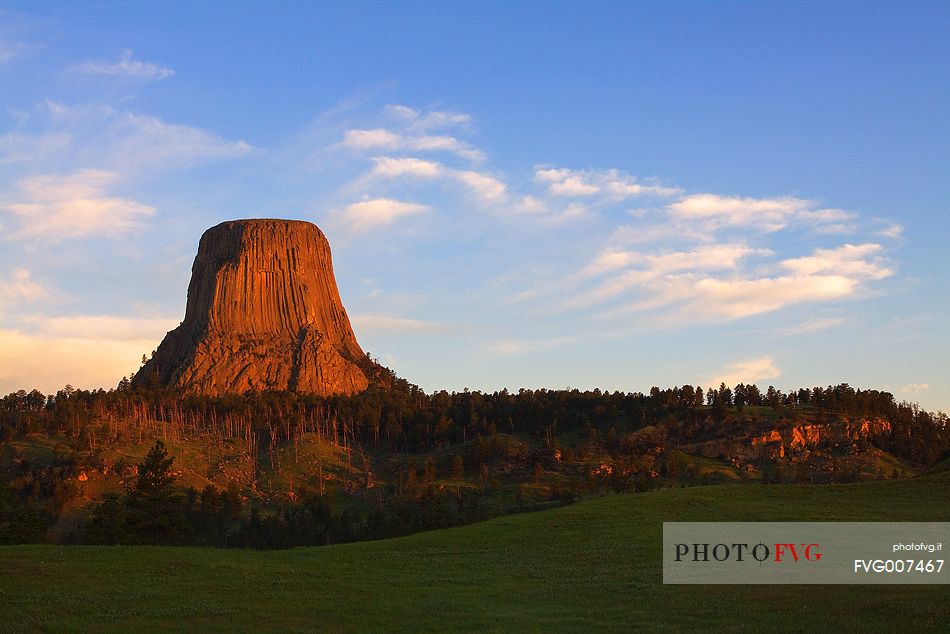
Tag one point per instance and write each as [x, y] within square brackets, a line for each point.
[594, 565]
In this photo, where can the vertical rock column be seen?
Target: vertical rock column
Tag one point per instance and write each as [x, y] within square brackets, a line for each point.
[263, 313]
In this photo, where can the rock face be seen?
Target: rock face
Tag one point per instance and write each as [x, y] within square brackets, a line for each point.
[776, 443]
[263, 313]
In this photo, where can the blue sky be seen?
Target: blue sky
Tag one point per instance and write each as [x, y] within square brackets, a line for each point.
[564, 194]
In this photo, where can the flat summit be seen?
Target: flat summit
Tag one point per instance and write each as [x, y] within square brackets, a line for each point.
[263, 313]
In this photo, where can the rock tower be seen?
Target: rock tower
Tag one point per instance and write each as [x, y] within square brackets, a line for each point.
[263, 313]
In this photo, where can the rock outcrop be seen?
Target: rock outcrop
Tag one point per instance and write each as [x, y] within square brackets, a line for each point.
[263, 313]
[776, 443]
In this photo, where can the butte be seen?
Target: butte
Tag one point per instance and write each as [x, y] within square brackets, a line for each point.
[263, 313]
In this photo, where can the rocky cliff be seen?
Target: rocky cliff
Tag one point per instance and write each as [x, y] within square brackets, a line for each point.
[263, 313]
[778, 442]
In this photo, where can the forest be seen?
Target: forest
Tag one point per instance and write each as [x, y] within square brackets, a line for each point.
[397, 460]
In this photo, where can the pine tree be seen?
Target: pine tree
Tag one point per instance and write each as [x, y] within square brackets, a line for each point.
[155, 514]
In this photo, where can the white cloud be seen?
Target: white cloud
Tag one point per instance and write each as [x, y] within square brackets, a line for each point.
[484, 186]
[530, 205]
[737, 298]
[837, 227]
[704, 258]
[712, 282]
[126, 66]
[849, 259]
[826, 216]
[763, 214]
[429, 120]
[892, 231]
[680, 268]
[542, 212]
[611, 183]
[387, 324]
[770, 214]
[610, 260]
[412, 134]
[57, 207]
[380, 139]
[388, 167]
[376, 212]
[915, 388]
[688, 297]
[561, 182]
[651, 269]
[747, 371]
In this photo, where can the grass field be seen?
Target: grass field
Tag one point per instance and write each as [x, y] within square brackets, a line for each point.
[592, 566]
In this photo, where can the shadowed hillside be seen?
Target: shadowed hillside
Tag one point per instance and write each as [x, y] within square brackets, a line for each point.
[283, 469]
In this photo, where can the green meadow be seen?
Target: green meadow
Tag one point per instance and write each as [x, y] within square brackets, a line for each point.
[591, 566]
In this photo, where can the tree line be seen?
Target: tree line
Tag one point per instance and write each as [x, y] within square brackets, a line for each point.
[406, 419]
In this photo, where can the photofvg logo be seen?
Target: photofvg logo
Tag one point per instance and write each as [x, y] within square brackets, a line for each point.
[759, 552]
[804, 552]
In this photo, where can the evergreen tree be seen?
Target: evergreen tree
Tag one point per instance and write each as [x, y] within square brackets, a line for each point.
[156, 516]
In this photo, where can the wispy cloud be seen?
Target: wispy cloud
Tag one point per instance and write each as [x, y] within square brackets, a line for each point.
[19, 288]
[763, 214]
[62, 137]
[388, 167]
[687, 285]
[432, 120]
[524, 346]
[610, 259]
[738, 298]
[128, 140]
[659, 231]
[553, 196]
[746, 371]
[678, 257]
[18, 35]
[8, 50]
[26, 148]
[378, 212]
[388, 324]
[892, 231]
[645, 270]
[126, 66]
[57, 207]
[915, 388]
[380, 139]
[610, 183]
[852, 260]
[813, 325]
[412, 134]
[484, 187]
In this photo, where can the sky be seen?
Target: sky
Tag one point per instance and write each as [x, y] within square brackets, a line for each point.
[612, 195]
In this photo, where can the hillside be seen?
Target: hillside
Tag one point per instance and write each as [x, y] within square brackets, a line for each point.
[592, 565]
[279, 469]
